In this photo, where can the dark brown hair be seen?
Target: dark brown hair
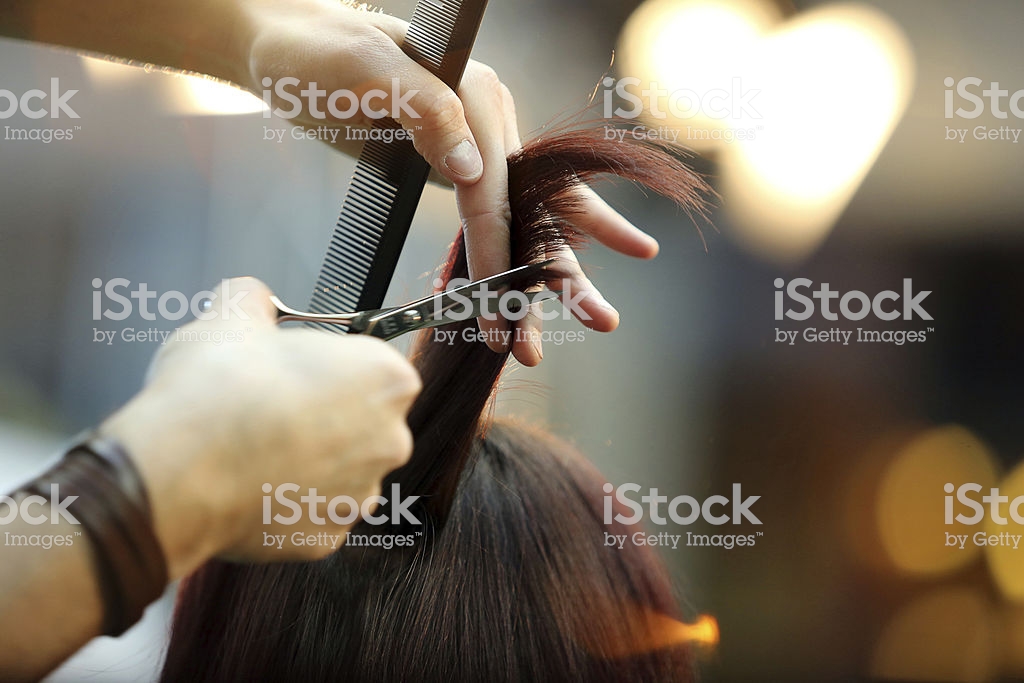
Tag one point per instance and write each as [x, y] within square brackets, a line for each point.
[511, 580]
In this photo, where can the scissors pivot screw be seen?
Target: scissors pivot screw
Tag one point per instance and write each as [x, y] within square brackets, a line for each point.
[412, 316]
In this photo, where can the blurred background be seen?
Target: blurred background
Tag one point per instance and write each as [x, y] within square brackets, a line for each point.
[845, 177]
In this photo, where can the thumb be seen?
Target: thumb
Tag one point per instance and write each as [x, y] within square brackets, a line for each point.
[440, 131]
[434, 113]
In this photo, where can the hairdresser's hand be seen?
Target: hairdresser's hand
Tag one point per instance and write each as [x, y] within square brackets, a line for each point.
[216, 422]
[466, 137]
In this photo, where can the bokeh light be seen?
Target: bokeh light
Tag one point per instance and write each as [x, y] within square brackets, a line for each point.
[825, 121]
[947, 635]
[1006, 562]
[796, 147]
[203, 96]
[183, 95]
[910, 501]
[698, 46]
[108, 72]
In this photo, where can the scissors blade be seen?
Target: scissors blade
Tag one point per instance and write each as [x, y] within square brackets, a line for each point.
[489, 307]
[439, 309]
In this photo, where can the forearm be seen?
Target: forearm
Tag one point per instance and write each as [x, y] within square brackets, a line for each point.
[48, 571]
[205, 36]
[52, 591]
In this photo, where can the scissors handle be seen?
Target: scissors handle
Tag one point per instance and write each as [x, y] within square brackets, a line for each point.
[287, 314]
[430, 311]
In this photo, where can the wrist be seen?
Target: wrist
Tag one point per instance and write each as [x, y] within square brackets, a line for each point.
[224, 44]
[169, 454]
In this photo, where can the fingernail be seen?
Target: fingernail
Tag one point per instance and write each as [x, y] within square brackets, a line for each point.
[464, 160]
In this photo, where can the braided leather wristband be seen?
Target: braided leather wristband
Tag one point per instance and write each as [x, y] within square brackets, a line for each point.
[113, 508]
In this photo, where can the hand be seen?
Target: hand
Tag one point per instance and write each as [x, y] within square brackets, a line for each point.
[216, 422]
[466, 137]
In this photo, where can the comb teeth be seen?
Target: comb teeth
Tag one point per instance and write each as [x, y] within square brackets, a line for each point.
[433, 23]
[367, 240]
[389, 178]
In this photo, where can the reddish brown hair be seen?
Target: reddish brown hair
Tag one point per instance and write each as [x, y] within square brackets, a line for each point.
[511, 580]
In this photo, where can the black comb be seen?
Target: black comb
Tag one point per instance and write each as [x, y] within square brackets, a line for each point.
[390, 176]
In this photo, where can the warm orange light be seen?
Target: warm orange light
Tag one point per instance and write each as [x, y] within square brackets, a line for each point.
[1006, 561]
[184, 94]
[948, 635]
[662, 631]
[910, 500]
[703, 632]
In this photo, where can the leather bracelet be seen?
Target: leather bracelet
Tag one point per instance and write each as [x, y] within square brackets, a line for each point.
[113, 508]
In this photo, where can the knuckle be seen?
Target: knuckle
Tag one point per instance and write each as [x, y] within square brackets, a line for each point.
[403, 445]
[508, 100]
[484, 76]
[407, 380]
[443, 115]
[396, 372]
[372, 45]
[499, 213]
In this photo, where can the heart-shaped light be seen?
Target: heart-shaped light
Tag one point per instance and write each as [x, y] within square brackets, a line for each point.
[825, 88]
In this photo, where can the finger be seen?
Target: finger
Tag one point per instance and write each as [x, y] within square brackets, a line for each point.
[354, 148]
[581, 296]
[610, 228]
[241, 301]
[527, 346]
[484, 207]
[235, 304]
[391, 84]
[513, 143]
[430, 110]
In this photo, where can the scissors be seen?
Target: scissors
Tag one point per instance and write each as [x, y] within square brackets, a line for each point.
[430, 311]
